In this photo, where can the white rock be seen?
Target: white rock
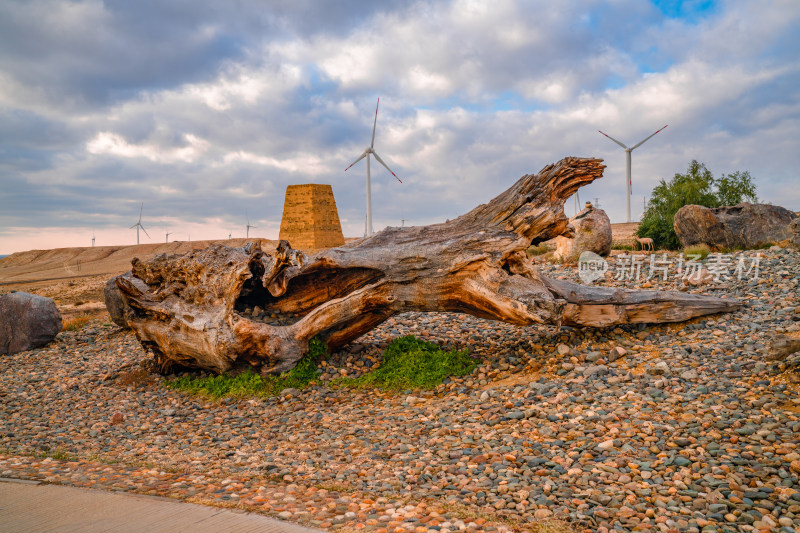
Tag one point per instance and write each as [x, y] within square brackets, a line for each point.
[606, 445]
[616, 352]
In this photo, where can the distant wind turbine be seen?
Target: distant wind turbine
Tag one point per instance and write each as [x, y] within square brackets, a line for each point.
[369, 150]
[92, 239]
[166, 239]
[628, 182]
[139, 225]
[247, 233]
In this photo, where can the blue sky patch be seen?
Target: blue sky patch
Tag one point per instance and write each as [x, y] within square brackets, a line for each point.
[690, 10]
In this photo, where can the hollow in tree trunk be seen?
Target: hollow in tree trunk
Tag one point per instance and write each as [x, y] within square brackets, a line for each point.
[189, 309]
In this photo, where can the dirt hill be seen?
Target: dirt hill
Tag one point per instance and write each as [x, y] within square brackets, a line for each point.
[622, 233]
[66, 263]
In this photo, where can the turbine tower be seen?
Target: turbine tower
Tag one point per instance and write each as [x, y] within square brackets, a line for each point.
[166, 239]
[139, 225]
[628, 169]
[369, 150]
[247, 233]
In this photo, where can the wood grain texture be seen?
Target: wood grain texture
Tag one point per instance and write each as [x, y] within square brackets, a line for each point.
[188, 309]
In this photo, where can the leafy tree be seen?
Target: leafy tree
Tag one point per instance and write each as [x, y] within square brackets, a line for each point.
[736, 188]
[697, 186]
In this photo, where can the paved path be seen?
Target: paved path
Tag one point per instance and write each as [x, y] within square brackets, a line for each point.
[33, 507]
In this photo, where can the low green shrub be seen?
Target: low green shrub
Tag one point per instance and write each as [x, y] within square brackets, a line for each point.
[701, 250]
[249, 384]
[410, 363]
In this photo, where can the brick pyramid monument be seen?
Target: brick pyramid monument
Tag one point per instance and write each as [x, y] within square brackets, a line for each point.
[310, 219]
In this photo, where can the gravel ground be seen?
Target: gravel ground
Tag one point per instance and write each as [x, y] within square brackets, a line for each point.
[681, 427]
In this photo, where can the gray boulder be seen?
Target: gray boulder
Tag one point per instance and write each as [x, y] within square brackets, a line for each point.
[114, 303]
[740, 226]
[592, 233]
[27, 321]
[795, 227]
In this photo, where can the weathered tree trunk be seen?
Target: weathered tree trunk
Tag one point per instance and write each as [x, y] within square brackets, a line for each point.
[190, 309]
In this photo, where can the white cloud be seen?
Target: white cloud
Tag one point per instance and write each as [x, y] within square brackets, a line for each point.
[305, 163]
[246, 87]
[108, 143]
[473, 95]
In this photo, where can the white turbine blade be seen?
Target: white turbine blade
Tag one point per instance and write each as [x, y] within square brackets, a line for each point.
[375, 123]
[648, 138]
[387, 166]
[248, 216]
[613, 139]
[145, 231]
[140, 211]
[362, 156]
[134, 226]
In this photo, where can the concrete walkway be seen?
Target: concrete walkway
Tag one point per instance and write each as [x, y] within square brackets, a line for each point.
[29, 507]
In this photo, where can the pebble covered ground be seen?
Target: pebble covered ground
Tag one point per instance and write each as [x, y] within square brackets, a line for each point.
[679, 427]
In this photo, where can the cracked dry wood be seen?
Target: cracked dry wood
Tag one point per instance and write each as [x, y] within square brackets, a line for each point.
[189, 309]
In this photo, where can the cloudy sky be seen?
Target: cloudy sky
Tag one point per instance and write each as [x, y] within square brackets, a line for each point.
[204, 109]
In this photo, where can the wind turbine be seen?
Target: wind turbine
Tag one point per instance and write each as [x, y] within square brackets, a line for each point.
[369, 150]
[166, 239]
[247, 234]
[628, 169]
[139, 225]
[92, 239]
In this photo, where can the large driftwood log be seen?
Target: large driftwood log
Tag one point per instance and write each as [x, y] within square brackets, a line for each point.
[189, 309]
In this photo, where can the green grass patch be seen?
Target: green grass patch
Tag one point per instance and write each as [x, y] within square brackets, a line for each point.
[411, 363]
[625, 247]
[539, 249]
[57, 454]
[244, 385]
[249, 384]
[698, 250]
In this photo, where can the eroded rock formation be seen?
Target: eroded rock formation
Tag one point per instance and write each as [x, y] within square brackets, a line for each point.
[733, 227]
[592, 229]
